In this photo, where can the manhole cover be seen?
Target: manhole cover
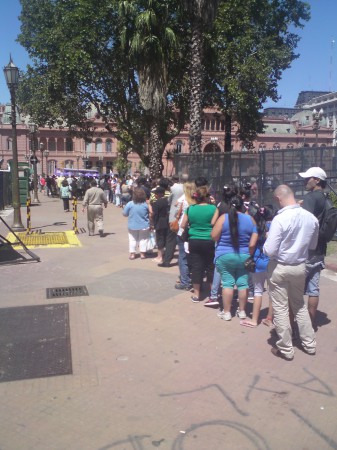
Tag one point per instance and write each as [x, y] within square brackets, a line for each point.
[43, 238]
[34, 342]
[70, 291]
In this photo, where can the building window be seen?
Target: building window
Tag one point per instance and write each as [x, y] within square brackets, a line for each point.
[98, 146]
[88, 147]
[290, 146]
[207, 124]
[109, 166]
[69, 164]
[276, 147]
[69, 145]
[179, 146]
[212, 124]
[51, 166]
[9, 144]
[108, 146]
[52, 145]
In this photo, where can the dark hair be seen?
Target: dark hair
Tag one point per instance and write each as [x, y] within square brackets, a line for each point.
[93, 183]
[322, 183]
[139, 195]
[65, 183]
[261, 216]
[164, 183]
[200, 181]
[236, 204]
[228, 192]
[245, 191]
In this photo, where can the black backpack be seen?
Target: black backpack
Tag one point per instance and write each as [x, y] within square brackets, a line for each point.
[328, 221]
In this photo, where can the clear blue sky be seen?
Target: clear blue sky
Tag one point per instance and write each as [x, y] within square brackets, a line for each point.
[315, 69]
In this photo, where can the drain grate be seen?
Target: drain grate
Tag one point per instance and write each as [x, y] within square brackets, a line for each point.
[34, 342]
[71, 291]
[43, 239]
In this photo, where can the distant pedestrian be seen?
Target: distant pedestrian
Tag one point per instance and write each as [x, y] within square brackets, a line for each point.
[94, 199]
[65, 194]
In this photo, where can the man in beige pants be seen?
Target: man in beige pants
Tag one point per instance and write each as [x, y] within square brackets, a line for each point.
[292, 233]
[93, 200]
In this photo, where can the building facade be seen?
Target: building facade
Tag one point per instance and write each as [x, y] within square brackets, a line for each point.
[281, 131]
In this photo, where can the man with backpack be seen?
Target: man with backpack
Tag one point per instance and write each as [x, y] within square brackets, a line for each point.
[315, 202]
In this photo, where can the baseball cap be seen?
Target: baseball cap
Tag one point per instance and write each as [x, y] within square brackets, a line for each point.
[315, 172]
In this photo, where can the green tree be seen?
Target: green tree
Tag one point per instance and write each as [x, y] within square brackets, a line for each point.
[253, 42]
[80, 67]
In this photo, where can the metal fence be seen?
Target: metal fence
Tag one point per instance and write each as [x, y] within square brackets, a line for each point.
[264, 169]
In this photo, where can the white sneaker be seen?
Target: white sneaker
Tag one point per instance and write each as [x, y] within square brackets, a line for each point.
[241, 314]
[224, 316]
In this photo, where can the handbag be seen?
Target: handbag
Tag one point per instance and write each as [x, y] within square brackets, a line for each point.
[250, 264]
[174, 226]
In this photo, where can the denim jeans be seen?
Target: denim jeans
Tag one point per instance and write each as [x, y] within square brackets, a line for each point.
[215, 284]
[183, 266]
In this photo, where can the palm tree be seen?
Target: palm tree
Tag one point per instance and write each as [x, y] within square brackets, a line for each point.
[150, 42]
[201, 14]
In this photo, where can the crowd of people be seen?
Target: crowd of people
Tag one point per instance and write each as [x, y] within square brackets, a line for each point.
[231, 247]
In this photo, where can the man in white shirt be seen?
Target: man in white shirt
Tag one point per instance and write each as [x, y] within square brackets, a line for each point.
[292, 233]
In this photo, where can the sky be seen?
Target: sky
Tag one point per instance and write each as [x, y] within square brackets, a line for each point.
[315, 69]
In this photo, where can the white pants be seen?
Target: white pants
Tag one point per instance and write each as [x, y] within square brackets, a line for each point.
[286, 287]
[138, 237]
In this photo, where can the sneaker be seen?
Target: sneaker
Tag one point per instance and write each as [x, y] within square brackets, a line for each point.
[241, 314]
[224, 316]
[211, 302]
[195, 299]
[182, 287]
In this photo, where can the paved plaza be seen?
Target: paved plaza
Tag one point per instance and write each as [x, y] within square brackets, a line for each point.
[147, 368]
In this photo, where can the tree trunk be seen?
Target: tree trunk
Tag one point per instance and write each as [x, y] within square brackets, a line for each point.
[155, 151]
[196, 77]
[228, 132]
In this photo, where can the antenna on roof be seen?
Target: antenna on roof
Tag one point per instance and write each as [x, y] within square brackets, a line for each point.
[331, 64]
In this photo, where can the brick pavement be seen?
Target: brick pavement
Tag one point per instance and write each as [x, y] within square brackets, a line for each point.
[151, 369]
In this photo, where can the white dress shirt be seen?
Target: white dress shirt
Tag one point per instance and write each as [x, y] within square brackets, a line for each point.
[292, 233]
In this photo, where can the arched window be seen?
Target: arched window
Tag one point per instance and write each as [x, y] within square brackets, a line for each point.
[98, 146]
[178, 147]
[60, 145]
[276, 147]
[69, 164]
[88, 147]
[108, 146]
[290, 146]
[51, 166]
[9, 144]
[212, 124]
[69, 145]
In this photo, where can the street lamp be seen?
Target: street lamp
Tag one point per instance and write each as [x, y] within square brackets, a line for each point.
[32, 131]
[11, 73]
[42, 150]
[46, 154]
[317, 116]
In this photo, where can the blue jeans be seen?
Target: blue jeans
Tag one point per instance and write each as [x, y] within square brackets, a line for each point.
[215, 284]
[182, 262]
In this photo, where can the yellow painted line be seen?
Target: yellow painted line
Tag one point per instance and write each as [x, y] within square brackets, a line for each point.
[45, 240]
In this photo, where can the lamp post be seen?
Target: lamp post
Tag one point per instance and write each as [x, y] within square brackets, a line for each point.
[46, 154]
[11, 73]
[33, 159]
[317, 116]
[42, 150]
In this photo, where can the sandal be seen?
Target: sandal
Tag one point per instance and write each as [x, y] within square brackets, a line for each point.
[132, 257]
[268, 321]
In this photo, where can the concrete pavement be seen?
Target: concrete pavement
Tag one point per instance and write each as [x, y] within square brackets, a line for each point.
[151, 369]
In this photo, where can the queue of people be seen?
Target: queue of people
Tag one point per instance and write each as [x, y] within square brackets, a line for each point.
[225, 248]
